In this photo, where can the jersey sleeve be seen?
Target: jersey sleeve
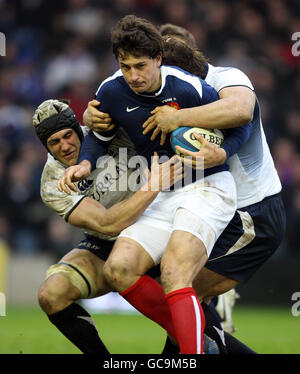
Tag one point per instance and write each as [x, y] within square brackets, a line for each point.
[60, 202]
[96, 144]
[228, 77]
[236, 137]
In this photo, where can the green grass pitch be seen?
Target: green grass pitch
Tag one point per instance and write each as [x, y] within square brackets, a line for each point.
[28, 331]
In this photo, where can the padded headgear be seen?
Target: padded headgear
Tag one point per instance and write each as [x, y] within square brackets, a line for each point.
[52, 116]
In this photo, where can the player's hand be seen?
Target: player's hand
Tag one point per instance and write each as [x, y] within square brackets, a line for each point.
[163, 176]
[208, 156]
[96, 120]
[73, 174]
[164, 120]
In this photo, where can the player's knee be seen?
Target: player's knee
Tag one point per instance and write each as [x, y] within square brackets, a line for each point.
[56, 293]
[113, 273]
[118, 274]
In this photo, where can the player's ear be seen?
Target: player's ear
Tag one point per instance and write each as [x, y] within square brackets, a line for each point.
[159, 59]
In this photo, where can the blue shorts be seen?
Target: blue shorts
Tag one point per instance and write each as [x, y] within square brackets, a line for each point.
[251, 237]
[99, 247]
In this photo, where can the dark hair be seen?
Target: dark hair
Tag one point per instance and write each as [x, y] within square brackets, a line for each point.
[178, 53]
[136, 36]
[168, 29]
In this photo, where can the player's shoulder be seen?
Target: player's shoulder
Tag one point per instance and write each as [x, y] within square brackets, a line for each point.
[179, 79]
[212, 69]
[224, 76]
[176, 72]
[111, 83]
[52, 172]
[52, 168]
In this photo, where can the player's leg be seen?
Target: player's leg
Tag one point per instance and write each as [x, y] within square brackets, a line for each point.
[248, 241]
[125, 270]
[183, 258]
[78, 275]
[213, 323]
[127, 262]
[204, 210]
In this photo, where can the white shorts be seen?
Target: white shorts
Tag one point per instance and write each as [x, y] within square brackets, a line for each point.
[203, 208]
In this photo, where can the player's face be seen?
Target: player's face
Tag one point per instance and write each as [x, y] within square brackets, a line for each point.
[141, 73]
[64, 145]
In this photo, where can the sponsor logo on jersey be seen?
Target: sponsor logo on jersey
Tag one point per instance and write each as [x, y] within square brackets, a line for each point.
[128, 110]
[85, 185]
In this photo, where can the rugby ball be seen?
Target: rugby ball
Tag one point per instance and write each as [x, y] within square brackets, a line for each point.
[184, 137]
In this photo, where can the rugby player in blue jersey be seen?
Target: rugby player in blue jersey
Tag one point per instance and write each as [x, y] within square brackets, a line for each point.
[261, 215]
[258, 227]
[181, 229]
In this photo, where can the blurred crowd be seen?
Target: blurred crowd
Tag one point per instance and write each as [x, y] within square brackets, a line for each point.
[61, 49]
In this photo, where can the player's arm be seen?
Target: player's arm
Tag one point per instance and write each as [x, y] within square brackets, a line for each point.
[93, 146]
[214, 156]
[90, 214]
[235, 108]
[95, 119]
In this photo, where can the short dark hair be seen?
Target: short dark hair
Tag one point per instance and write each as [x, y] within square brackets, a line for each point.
[178, 53]
[168, 29]
[136, 36]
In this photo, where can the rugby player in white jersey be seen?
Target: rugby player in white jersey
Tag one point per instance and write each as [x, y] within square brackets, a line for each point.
[98, 206]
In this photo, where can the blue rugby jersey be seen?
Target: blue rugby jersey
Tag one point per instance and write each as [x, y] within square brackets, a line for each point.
[130, 110]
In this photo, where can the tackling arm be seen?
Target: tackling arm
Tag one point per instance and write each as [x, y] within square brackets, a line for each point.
[90, 214]
[234, 108]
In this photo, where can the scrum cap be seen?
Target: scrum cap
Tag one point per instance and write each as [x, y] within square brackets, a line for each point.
[52, 116]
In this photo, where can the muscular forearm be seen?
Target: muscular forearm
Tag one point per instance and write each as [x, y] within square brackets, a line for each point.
[234, 108]
[125, 213]
[91, 215]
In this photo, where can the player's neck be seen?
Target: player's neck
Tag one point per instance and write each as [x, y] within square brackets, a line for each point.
[155, 86]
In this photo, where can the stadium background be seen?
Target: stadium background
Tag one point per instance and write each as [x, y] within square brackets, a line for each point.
[61, 49]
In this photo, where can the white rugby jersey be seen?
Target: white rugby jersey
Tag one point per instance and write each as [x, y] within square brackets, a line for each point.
[252, 167]
[108, 183]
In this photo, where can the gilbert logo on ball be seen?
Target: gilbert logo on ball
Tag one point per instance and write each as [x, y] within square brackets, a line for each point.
[184, 137]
